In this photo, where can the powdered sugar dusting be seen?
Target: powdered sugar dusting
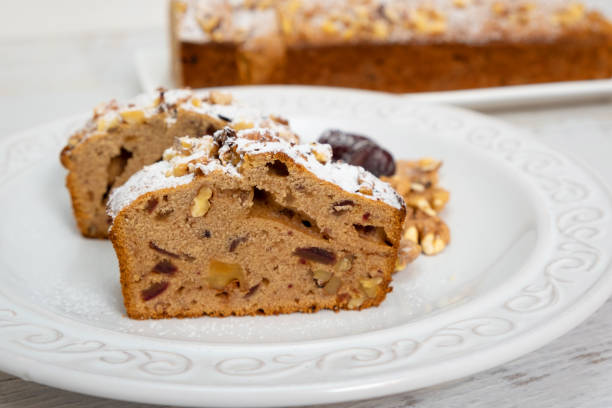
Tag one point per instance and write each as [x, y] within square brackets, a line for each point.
[225, 152]
[150, 178]
[315, 158]
[220, 108]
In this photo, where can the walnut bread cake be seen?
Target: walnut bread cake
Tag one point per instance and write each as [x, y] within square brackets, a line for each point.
[390, 45]
[244, 222]
[119, 139]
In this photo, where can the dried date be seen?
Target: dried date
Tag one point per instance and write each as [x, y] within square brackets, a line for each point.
[316, 254]
[359, 151]
[165, 267]
[154, 290]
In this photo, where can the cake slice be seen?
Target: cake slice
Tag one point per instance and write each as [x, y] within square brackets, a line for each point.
[119, 139]
[245, 223]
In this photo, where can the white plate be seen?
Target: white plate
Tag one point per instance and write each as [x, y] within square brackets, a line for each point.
[153, 71]
[529, 260]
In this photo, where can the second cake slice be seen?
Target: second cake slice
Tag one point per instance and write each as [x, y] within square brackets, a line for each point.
[244, 223]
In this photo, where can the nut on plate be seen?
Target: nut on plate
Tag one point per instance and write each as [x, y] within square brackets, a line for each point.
[430, 232]
[417, 182]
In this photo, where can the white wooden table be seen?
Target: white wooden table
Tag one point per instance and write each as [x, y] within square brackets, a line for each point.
[45, 76]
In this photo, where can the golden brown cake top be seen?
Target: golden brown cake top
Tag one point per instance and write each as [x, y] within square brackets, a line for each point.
[342, 21]
[229, 152]
[220, 107]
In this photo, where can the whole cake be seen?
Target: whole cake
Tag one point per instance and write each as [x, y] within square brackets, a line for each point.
[119, 139]
[390, 45]
[244, 222]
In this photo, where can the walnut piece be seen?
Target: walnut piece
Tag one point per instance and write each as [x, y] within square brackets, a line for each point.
[201, 203]
[428, 21]
[107, 122]
[133, 116]
[323, 155]
[431, 233]
[408, 252]
[570, 15]
[321, 277]
[371, 286]
[331, 287]
[344, 264]
[356, 302]
[220, 98]
[432, 244]
[220, 274]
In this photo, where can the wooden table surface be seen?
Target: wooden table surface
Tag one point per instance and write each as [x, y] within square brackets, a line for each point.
[43, 77]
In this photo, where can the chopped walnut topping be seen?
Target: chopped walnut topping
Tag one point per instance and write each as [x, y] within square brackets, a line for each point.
[329, 27]
[516, 14]
[569, 15]
[499, 8]
[279, 119]
[321, 153]
[325, 21]
[133, 116]
[364, 189]
[428, 21]
[243, 124]
[462, 3]
[179, 170]
[380, 29]
[209, 24]
[197, 102]
[107, 122]
[220, 98]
